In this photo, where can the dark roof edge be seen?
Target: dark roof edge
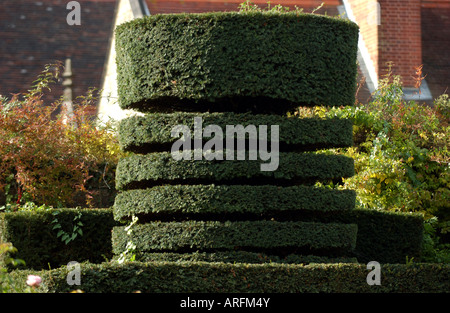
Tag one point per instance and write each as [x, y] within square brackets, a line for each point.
[139, 8]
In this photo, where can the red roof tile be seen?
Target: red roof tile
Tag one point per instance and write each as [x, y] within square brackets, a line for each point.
[35, 33]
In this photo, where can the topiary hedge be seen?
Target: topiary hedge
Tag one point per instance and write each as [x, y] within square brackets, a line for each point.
[386, 237]
[247, 68]
[190, 236]
[233, 61]
[140, 171]
[230, 64]
[239, 257]
[32, 233]
[206, 277]
[225, 201]
[150, 133]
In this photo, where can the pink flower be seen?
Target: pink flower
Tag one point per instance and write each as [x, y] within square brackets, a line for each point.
[33, 280]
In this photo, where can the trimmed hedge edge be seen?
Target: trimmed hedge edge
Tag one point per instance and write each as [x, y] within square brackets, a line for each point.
[181, 200]
[152, 132]
[141, 171]
[189, 236]
[238, 257]
[231, 61]
[204, 277]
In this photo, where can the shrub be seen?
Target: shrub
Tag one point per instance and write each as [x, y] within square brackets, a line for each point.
[401, 155]
[190, 236]
[152, 132]
[8, 283]
[239, 257]
[46, 157]
[233, 201]
[386, 237]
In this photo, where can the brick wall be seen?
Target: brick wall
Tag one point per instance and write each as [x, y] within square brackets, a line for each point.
[400, 38]
[394, 36]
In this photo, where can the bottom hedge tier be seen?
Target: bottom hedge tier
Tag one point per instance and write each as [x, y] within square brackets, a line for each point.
[238, 257]
[203, 277]
[206, 236]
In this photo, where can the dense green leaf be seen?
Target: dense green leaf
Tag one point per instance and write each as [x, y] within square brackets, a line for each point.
[154, 168]
[261, 62]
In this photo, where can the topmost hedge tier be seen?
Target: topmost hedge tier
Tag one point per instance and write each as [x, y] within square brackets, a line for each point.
[229, 61]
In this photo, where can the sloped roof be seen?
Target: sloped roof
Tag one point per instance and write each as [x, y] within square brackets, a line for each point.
[35, 33]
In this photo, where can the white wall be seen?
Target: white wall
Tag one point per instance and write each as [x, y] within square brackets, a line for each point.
[108, 107]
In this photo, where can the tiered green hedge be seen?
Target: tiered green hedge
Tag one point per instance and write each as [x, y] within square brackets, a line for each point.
[239, 257]
[226, 200]
[234, 63]
[143, 170]
[205, 277]
[386, 237]
[149, 133]
[382, 236]
[33, 235]
[190, 236]
[187, 61]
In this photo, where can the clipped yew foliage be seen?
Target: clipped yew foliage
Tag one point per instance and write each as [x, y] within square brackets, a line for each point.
[223, 201]
[152, 132]
[138, 171]
[226, 61]
[190, 236]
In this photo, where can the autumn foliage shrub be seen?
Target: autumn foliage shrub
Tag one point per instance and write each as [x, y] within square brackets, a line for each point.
[401, 153]
[47, 157]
